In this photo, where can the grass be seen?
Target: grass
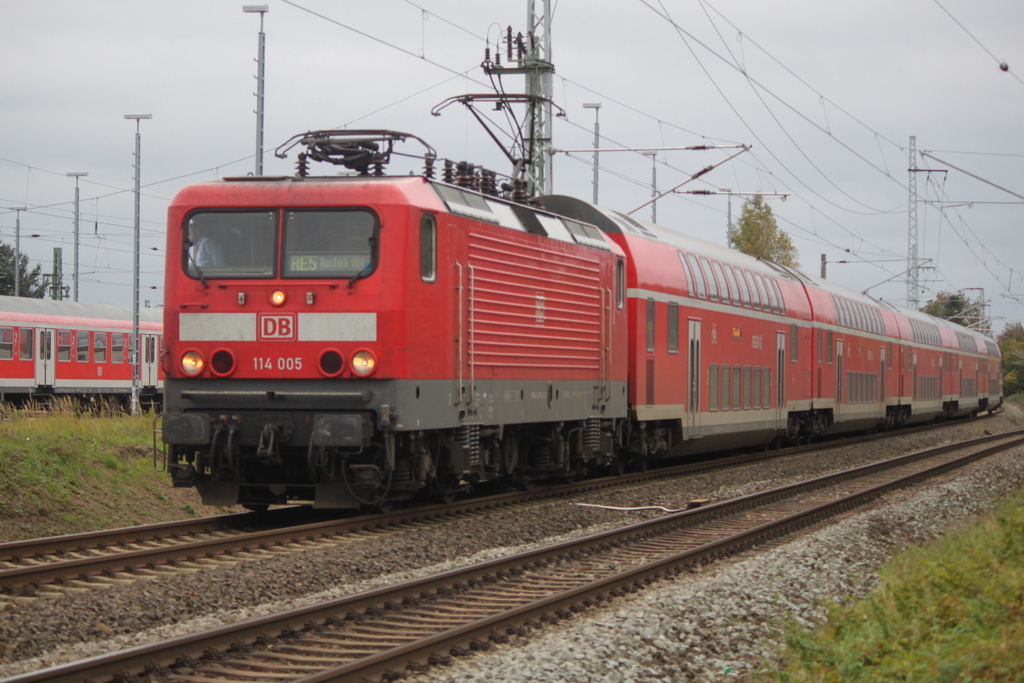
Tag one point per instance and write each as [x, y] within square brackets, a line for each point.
[950, 611]
[69, 468]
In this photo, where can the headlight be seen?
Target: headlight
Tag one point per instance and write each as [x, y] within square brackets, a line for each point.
[364, 363]
[192, 363]
[277, 297]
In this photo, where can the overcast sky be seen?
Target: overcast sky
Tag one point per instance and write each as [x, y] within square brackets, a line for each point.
[827, 94]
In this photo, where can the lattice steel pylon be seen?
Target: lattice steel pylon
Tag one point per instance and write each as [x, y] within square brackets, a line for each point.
[539, 84]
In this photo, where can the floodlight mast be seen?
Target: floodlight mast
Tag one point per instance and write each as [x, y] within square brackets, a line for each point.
[74, 278]
[138, 118]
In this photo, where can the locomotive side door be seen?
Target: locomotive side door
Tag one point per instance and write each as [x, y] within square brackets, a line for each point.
[693, 410]
[44, 358]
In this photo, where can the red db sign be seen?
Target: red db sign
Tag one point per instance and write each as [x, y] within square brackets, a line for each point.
[276, 326]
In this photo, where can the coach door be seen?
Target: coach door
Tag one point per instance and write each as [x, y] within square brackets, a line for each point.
[44, 358]
[839, 381]
[780, 377]
[693, 412]
[148, 372]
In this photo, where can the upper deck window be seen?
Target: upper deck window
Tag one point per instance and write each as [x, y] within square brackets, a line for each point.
[230, 244]
[329, 244]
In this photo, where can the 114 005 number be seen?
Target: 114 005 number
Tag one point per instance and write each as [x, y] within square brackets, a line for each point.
[282, 363]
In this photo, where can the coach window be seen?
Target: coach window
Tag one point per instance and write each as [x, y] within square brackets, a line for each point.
[792, 343]
[736, 374]
[6, 343]
[229, 244]
[99, 347]
[733, 285]
[755, 296]
[712, 283]
[744, 289]
[767, 387]
[829, 348]
[691, 288]
[428, 248]
[329, 244]
[778, 294]
[620, 283]
[673, 328]
[650, 325]
[702, 290]
[888, 357]
[117, 347]
[723, 285]
[64, 345]
[26, 343]
[820, 339]
[713, 387]
[82, 347]
[726, 373]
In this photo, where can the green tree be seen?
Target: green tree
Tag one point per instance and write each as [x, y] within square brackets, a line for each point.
[30, 282]
[1011, 344]
[961, 309]
[756, 233]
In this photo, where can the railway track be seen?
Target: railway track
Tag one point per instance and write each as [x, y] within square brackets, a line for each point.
[52, 567]
[428, 621]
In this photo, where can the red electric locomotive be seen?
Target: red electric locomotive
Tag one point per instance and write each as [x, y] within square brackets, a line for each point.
[354, 340]
[69, 348]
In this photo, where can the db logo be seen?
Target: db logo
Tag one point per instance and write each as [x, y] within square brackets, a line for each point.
[278, 326]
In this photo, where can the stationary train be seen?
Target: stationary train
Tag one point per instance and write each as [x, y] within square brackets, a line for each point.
[372, 338]
[56, 348]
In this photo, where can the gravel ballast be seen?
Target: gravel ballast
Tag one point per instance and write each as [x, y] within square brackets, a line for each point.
[722, 620]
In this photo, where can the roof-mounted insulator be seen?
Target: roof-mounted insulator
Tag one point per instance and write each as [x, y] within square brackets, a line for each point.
[488, 182]
[428, 166]
[302, 165]
[449, 172]
[465, 174]
[519, 193]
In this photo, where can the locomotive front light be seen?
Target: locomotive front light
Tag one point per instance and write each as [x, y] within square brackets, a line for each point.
[364, 363]
[222, 362]
[277, 297]
[192, 363]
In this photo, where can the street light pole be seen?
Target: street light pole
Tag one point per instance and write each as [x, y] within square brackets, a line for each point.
[261, 9]
[74, 278]
[596, 106]
[135, 281]
[17, 246]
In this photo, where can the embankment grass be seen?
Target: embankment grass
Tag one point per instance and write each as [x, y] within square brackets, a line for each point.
[952, 610]
[66, 468]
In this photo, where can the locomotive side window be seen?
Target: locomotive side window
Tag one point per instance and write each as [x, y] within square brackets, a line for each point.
[6, 343]
[428, 248]
[329, 244]
[99, 347]
[82, 347]
[26, 343]
[620, 283]
[64, 345]
[117, 347]
[230, 244]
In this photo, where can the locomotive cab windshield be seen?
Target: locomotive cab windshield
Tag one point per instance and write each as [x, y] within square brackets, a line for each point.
[317, 244]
